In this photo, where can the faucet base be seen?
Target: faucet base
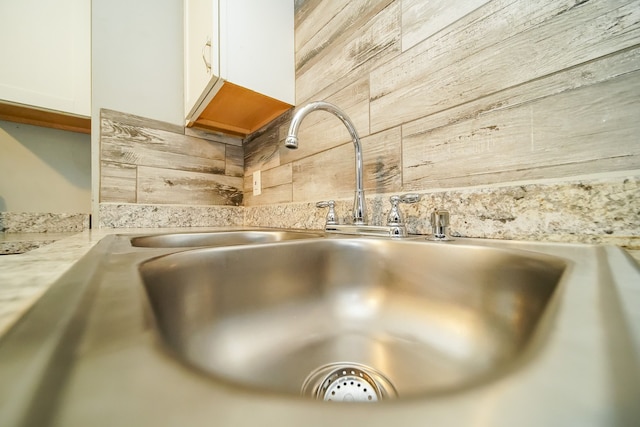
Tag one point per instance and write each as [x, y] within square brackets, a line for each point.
[368, 230]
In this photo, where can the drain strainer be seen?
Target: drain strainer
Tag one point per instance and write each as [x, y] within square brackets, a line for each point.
[347, 382]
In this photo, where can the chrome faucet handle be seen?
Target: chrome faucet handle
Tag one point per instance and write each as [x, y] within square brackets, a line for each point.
[440, 224]
[395, 216]
[331, 215]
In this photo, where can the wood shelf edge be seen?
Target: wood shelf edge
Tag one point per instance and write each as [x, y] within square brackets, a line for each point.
[18, 113]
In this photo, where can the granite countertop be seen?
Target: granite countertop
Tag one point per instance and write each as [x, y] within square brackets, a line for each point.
[18, 243]
[25, 277]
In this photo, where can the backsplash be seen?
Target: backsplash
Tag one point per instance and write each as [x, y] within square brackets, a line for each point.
[519, 117]
[129, 215]
[582, 211]
[144, 161]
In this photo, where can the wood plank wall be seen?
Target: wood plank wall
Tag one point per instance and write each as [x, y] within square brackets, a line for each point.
[456, 93]
[149, 162]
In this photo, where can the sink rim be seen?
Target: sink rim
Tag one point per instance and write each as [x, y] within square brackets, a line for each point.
[138, 240]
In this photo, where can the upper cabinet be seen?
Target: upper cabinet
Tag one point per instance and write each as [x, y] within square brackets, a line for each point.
[239, 63]
[46, 62]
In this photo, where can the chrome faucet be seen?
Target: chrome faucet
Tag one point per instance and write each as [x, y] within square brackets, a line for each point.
[359, 207]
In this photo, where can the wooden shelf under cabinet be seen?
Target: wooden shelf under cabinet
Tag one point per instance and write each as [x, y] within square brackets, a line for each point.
[239, 111]
[19, 113]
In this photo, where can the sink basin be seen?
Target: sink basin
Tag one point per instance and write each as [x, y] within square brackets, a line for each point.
[220, 238]
[351, 319]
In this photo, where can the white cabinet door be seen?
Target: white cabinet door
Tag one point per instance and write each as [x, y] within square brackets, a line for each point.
[201, 56]
[45, 50]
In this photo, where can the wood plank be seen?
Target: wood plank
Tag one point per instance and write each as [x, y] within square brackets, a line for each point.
[161, 140]
[269, 196]
[270, 178]
[117, 182]
[408, 88]
[234, 161]
[331, 23]
[214, 136]
[134, 145]
[138, 121]
[590, 73]
[422, 19]
[382, 161]
[311, 17]
[476, 32]
[349, 59]
[331, 174]
[274, 186]
[123, 152]
[28, 115]
[168, 186]
[562, 133]
[239, 110]
[277, 176]
[263, 151]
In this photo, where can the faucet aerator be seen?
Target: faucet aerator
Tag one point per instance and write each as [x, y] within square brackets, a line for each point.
[291, 142]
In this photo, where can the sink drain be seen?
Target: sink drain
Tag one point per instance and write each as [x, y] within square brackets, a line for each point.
[347, 382]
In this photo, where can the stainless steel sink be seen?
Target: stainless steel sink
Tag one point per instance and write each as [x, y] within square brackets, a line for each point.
[219, 238]
[351, 319]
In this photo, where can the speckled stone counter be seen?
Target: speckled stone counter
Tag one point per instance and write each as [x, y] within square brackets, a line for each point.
[25, 277]
[37, 222]
[125, 215]
[582, 211]
[18, 243]
[24, 231]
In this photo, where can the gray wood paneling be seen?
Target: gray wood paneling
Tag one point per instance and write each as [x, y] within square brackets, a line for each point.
[137, 121]
[482, 92]
[184, 187]
[142, 164]
[417, 84]
[565, 132]
[117, 182]
[422, 19]
[349, 58]
[234, 161]
[331, 174]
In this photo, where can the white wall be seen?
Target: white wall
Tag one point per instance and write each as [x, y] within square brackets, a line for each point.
[137, 58]
[44, 170]
[137, 64]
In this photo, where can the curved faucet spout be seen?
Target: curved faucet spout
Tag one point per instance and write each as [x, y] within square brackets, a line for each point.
[359, 207]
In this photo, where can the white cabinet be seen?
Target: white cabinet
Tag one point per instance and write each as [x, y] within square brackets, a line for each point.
[239, 63]
[45, 49]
